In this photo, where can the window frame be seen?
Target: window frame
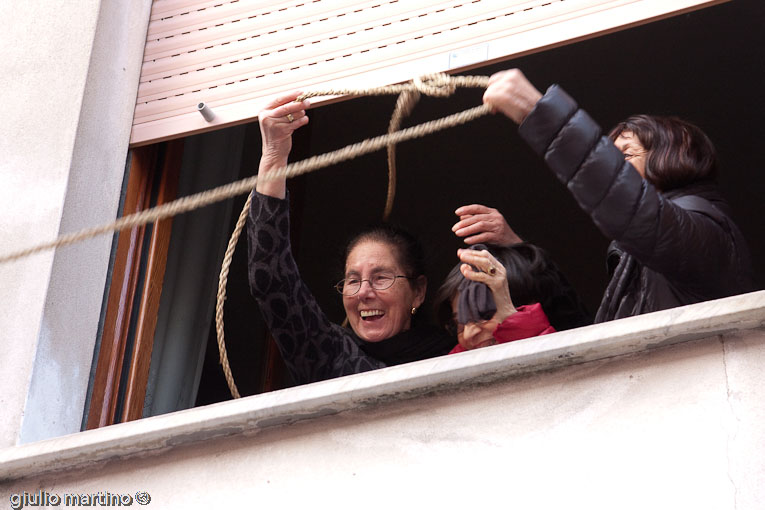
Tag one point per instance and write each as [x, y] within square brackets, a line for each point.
[135, 289]
[133, 301]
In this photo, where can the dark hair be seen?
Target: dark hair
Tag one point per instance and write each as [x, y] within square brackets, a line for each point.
[678, 152]
[532, 277]
[407, 248]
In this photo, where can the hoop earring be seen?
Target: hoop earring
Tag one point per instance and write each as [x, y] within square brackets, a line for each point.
[414, 310]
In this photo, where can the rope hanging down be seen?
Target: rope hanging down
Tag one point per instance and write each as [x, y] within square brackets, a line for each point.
[439, 85]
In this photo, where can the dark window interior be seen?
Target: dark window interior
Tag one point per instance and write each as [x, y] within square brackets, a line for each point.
[707, 66]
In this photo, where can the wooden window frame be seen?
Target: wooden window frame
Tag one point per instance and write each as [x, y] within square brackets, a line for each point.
[153, 180]
[133, 301]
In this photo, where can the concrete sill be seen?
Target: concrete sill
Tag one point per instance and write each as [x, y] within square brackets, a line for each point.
[248, 416]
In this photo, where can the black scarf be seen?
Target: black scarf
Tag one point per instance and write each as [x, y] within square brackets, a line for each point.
[420, 342]
[620, 298]
[626, 293]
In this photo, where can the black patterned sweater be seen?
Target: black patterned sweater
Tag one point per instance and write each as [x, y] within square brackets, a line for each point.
[312, 347]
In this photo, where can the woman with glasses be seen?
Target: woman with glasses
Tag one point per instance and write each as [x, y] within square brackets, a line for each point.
[382, 291]
[496, 295]
[649, 187]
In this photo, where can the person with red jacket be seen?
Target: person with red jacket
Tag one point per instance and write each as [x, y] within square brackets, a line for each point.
[475, 304]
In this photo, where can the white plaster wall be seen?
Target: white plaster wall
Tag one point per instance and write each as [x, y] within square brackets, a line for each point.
[676, 427]
[68, 73]
[745, 366]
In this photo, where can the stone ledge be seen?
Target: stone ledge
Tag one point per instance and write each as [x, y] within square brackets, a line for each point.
[250, 415]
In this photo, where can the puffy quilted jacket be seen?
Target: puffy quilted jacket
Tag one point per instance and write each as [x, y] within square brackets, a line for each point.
[668, 249]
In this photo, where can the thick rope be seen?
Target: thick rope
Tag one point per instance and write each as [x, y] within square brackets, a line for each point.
[404, 106]
[209, 197]
[437, 85]
[434, 85]
[409, 94]
[221, 299]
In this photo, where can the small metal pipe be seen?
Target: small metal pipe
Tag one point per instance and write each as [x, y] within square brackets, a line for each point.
[206, 112]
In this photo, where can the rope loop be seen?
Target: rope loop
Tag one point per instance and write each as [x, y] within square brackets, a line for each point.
[435, 84]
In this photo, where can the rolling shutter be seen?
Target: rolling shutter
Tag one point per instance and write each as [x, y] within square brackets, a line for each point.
[235, 54]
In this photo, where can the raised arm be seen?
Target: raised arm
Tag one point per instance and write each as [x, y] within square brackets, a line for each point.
[679, 243]
[312, 347]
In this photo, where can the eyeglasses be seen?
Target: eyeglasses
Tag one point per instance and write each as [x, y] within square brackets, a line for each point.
[379, 281]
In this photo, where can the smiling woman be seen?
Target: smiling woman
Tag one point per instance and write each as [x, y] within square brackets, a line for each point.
[383, 288]
[384, 307]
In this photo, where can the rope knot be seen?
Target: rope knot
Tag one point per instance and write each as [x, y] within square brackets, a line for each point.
[435, 84]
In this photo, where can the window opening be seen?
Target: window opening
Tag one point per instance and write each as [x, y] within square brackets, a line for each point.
[454, 167]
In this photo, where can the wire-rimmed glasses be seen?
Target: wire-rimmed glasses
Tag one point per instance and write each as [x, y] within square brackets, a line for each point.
[379, 281]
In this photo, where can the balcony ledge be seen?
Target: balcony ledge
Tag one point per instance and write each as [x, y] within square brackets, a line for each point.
[250, 415]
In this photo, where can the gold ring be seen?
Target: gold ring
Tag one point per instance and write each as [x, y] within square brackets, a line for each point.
[492, 271]
[290, 117]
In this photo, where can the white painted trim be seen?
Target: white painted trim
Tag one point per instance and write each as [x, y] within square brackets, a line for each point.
[248, 415]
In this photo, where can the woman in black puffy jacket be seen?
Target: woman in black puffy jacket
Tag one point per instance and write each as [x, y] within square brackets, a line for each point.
[649, 186]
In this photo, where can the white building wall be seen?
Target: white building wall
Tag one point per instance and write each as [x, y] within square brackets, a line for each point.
[68, 72]
[659, 422]
[662, 411]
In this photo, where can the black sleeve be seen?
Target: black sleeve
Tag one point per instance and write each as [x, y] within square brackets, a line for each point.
[676, 242]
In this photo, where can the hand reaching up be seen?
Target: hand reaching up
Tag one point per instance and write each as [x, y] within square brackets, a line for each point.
[280, 118]
[481, 224]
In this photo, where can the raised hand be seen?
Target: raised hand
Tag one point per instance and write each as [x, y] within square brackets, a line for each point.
[511, 93]
[491, 273]
[278, 120]
[481, 224]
